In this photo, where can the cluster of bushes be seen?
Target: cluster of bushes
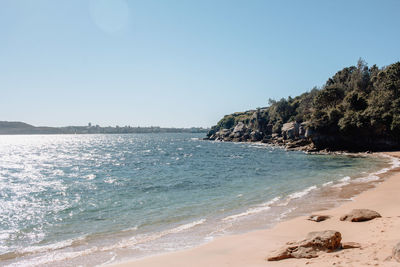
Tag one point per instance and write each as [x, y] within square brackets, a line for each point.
[360, 101]
[357, 100]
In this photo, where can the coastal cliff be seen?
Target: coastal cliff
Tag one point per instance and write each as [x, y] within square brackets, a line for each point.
[358, 109]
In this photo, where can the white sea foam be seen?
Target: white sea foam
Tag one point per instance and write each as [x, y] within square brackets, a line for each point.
[366, 179]
[285, 214]
[342, 182]
[327, 183]
[52, 254]
[140, 239]
[60, 256]
[50, 247]
[395, 163]
[109, 180]
[374, 176]
[345, 179]
[130, 229]
[298, 194]
[51, 258]
[302, 193]
[90, 176]
[254, 210]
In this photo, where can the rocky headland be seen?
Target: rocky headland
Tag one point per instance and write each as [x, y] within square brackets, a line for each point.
[292, 136]
[358, 109]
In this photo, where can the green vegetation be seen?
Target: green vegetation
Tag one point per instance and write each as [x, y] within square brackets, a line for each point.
[231, 120]
[358, 103]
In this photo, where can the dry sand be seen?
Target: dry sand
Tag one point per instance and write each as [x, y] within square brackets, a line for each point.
[377, 237]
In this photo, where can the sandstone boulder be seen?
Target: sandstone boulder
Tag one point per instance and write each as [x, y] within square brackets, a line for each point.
[290, 130]
[360, 215]
[302, 129]
[224, 132]
[239, 130]
[314, 243]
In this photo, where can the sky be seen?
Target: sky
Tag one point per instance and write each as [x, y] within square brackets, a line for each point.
[178, 63]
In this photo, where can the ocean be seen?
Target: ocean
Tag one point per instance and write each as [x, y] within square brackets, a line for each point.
[69, 200]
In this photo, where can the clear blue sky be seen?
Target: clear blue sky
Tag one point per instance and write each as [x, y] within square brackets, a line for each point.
[178, 63]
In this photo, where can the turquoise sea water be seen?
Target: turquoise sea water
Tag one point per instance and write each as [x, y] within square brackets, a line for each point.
[94, 199]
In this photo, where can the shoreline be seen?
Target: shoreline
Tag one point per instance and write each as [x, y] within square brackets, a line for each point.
[305, 150]
[251, 248]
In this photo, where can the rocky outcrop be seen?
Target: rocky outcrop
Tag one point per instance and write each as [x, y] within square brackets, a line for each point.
[290, 130]
[310, 247]
[396, 252]
[292, 135]
[360, 215]
[239, 130]
[256, 136]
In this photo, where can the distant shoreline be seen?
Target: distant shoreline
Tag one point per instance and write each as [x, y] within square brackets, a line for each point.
[21, 128]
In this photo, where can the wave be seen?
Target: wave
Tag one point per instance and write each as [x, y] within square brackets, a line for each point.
[51, 257]
[374, 176]
[367, 179]
[285, 213]
[302, 193]
[254, 210]
[342, 182]
[40, 249]
[54, 256]
[298, 194]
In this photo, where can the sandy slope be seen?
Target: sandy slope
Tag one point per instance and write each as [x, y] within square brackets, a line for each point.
[377, 237]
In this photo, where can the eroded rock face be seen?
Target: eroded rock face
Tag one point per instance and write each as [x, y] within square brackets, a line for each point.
[396, 252]
[255, 136]
[302, 129]
[360, 215]
[290, 130]
[239, 128]
[314, 243]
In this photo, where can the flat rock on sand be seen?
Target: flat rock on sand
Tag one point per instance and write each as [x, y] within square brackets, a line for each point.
[347, 245]
[308, 248]
[318, 218]
[360, 215]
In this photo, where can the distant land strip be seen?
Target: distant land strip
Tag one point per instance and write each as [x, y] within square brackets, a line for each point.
[16, 127]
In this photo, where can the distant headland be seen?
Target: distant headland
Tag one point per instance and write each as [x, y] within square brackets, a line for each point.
[15, 127]
[358, 109]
